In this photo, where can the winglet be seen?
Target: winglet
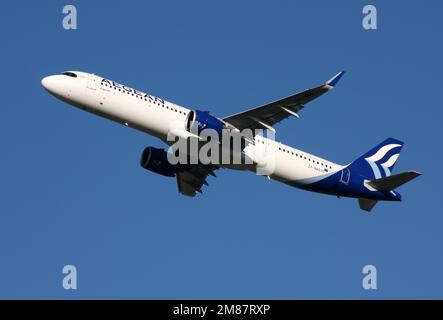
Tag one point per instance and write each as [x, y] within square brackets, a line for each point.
[394, 181]
[333, 81]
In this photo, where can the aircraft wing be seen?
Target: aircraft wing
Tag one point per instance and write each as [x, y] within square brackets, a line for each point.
[266, 116]
[191, 179]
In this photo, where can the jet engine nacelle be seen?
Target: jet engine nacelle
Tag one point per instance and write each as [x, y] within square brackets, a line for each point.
[156, 160]
[198, 120]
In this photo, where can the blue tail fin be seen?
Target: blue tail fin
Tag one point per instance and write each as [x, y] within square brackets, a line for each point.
[379, 161]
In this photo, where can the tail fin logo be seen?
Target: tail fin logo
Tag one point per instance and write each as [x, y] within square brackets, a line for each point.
[383, 169]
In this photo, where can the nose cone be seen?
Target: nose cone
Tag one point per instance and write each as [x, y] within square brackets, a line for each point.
[50, 84]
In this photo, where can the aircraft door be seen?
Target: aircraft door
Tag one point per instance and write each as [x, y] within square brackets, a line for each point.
[345, 176]
[92, 82]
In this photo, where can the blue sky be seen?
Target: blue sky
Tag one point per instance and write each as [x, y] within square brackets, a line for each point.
[73, 192]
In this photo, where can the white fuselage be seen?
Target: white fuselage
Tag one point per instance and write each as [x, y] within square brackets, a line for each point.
[158, 117]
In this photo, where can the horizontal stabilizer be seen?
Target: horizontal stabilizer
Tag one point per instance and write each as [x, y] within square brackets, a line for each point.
[391, 182]
[367, 204]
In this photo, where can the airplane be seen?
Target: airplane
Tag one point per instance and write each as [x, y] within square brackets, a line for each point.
[369, 178]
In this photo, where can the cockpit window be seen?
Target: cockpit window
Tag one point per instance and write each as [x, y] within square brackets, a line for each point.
[69, 74]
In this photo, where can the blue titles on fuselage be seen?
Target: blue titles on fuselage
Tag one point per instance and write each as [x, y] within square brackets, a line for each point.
[130, 90]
